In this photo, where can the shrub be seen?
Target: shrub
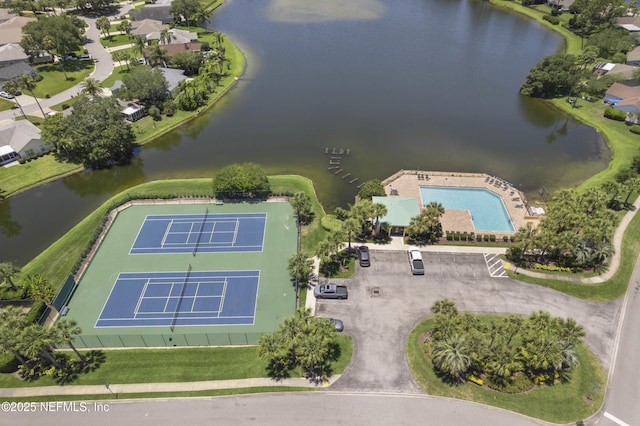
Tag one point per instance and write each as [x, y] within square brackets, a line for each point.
[505, 238]
[65, 106]
[36, 311]
[512, 239]
[619, 58]
[485, 237]
[330, 223]
[8, 363]
[492, 238]
[614, 114]
[635, 129]
[154, 112]
[47, 96]
[554, 20]
[449, 236]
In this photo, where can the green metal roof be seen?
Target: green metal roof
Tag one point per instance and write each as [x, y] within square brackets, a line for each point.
[400, 210]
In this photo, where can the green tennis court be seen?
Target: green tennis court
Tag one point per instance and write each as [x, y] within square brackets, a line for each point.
[188, 275]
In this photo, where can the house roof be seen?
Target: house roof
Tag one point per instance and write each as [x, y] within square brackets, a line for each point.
[18, 133]
[15, 70]
[605, 66]
[400, 210]
[631, 27]
[159, 12]
[634, 54]
[172, 49]
[12, 52]
[562, 4]
[626, 71]
[629, 102]
[623, 91]
[178, 36]
[132, 108]
[147, 26]
[626, 20]
[11, 29]
[173, 76]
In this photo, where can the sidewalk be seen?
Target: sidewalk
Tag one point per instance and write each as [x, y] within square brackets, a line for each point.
[161, 387]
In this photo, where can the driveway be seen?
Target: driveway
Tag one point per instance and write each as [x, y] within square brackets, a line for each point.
[381, 321]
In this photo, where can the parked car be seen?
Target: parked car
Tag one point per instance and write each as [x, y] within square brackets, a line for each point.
[6, 95]
[415, 260]
[363, 256]
[339, 325]
[330, 291]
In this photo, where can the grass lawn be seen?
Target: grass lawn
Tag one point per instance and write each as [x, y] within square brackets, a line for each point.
[6, 105]
[118, 72]
[115, 40]
[178, 365]
[13, 179]
[54, 82]
[312, 233]
[562, 403]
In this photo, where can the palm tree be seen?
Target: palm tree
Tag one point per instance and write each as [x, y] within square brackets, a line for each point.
[378, 210]
[8, 270]
[202, 17]
[299, 268]
[91, 87]
[104, 25]
[140, 44]
[450, 356]
[158, 54]
[66, 331]
[39, 289]
[166, 36]
[503, 364]
[632, 185]
[125, 27]
[38, 341]
[12, 322]
[11, 87]
[527, 237]
[601, 252]
[350, 227]
[27, 82]
[570, 331]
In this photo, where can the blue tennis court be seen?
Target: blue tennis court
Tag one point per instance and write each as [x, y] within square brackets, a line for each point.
[187, 298]
[208, 233]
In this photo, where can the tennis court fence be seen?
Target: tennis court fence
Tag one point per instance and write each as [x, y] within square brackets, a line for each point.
[165, 340]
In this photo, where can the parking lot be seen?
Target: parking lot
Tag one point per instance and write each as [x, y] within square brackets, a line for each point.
[386, 301]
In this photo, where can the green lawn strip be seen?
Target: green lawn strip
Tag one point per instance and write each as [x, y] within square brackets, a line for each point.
[54, 82]
[190, 394]
[210, 5]
[562, 403]
[177, 365]
[14, 179]
[115, 40]
[313, 233]
[117, 74]
[572, 41]
[6, 105]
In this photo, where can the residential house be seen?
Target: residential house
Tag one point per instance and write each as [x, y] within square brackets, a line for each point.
[400, 211]
[173, 76]
[147, 26]
[13, 72]
[563, 5]
[619, 92]
[11, 29]
[20, 139]
[172, 49]
[161, 12]
[12, 53]
[633, 57]
[177, 36]
[629, 23]
[133, 112]
[622, 70]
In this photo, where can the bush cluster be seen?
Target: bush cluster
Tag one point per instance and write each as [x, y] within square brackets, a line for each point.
[544, 267]
[554, 20]
[614, 114]
[635, 129]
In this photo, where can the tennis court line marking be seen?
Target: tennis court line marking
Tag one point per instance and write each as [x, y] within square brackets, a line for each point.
[144, 290]
[252, 274]
[224, 293]
[615, 419]
[166, 233]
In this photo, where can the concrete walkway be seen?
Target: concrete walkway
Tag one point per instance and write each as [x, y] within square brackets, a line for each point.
[161, 387]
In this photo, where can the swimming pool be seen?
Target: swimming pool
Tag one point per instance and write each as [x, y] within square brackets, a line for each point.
[487, 210]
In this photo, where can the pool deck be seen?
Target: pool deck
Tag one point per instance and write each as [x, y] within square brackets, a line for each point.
[407, 183]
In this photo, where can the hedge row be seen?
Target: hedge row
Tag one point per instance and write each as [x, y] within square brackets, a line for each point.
[614, 114]
[554, 20]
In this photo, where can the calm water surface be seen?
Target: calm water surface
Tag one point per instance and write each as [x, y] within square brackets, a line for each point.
[430, 84]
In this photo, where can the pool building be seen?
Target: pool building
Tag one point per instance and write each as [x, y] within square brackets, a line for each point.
[473, 202]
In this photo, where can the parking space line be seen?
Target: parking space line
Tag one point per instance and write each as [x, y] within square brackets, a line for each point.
[494, 265]
[615, 419]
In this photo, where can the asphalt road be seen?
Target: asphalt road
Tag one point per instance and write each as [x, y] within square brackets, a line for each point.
[381, 321]
[309, 409]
